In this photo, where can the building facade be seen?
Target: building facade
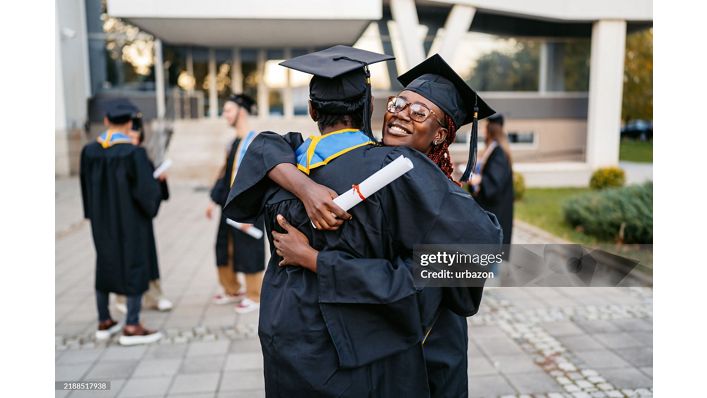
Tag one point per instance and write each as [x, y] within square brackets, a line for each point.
[553, 67]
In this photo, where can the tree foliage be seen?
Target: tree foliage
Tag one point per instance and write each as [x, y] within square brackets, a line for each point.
[516, 70]
[638, 76]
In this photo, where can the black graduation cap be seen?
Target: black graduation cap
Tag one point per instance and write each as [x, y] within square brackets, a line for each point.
[496, 118]
[120, 110]
[245, 101]
[435, 80]
[340, 74]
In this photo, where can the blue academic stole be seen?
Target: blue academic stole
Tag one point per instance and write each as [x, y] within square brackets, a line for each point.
[240, 153]
[110, 138]
[317, 151]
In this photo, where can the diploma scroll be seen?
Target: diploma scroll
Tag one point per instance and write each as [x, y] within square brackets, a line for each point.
[372, 184]
[163, 167]
[252, 231]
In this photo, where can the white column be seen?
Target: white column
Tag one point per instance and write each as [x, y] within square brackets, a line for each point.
[456, 26]
[605, 91]
[236, 72]
[62, 164]
[542, 72]
[287, 101]
[263, 102]
[213, 93]
[159, 79]
[405, 16]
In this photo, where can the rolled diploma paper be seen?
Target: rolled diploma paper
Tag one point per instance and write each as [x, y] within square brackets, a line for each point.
[163, 167]
[252, 231]
[372, 184]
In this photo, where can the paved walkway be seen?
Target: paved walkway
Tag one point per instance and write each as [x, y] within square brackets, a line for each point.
[550, 342]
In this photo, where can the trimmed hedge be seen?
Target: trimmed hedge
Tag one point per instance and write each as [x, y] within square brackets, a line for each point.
[607, 177]
[618, 214]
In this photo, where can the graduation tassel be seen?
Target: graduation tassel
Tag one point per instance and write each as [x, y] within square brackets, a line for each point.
[367, 106]
[471, 162]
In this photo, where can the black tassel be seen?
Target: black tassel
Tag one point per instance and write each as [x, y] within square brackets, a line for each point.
[367, 106]
[471, 162]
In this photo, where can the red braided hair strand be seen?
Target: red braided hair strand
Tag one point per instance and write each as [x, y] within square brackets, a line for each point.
[440, 153]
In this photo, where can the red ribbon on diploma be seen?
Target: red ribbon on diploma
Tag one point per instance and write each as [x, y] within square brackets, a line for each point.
[358, 191]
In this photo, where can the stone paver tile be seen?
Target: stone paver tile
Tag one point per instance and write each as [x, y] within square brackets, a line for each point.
[601, 359]
[207, 348]
[514, 364]
[73, 357]
[245, 345]
[120, 353]
[157, 367]
[489, 386]
[562, 328]
[71, 372]
[203, 364]
[626, 378]
[635, 325]
[598, 326]
[195, 383]
[166, 351]
[648, 371]
[246, 361]
[617, 340]
[580, 343]
[476, 331]
[479, 365]
[111, 370]
[645, 338]
[242, 380]
[533, 382]
[638, 356]
[498, 346]
[241, 394]
[144, 387]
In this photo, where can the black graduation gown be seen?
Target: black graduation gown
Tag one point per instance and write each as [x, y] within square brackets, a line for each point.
[248, 253]
[496, 193]
[120, 197]
[355, 327]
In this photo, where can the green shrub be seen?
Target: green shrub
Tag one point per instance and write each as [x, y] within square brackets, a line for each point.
[518, 186]
[607, 177]
[619, 214]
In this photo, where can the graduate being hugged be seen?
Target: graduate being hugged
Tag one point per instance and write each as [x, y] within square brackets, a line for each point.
[348, 321]
[120, 198]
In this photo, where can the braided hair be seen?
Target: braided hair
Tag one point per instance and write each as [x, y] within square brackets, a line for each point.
[440, 153]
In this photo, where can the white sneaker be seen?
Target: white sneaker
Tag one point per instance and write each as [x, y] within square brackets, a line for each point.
[246, 305]
[224, 298]
[108, 331]
[164, 305]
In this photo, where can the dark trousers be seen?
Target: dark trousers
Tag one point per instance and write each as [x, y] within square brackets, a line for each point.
[134, 302]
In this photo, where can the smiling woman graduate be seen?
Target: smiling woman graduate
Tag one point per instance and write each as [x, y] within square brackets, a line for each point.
[352, 323]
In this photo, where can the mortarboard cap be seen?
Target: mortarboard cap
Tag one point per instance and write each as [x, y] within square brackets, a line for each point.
[496, 118]
[340, 74]
[244, 101]
[435, 80]
[120, 110]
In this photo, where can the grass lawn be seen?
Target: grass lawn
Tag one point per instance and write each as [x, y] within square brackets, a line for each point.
[636, 151]
[542, 207]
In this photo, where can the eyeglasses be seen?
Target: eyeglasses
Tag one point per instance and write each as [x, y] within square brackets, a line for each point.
[418, 112]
